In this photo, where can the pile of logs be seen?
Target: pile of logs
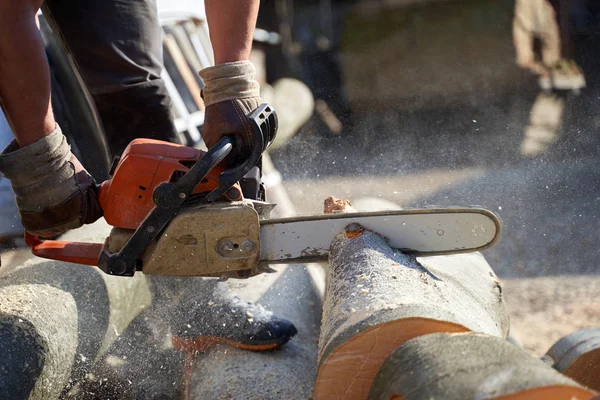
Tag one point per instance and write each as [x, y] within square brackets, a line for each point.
[405, 328]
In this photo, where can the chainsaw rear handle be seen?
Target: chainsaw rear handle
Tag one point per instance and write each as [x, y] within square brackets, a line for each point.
[168, 199]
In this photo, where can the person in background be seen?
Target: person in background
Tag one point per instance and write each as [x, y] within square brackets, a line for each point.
[542, 41]
[543, 44]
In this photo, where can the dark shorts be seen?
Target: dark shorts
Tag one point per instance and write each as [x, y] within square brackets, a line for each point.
[117, 47]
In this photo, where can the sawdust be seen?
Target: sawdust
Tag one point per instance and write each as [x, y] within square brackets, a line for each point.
[331, 205]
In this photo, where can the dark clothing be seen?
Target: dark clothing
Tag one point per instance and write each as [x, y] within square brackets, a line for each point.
[117, 47]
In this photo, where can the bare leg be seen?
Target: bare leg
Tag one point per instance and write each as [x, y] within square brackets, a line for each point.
[231, 24]
[25, 83]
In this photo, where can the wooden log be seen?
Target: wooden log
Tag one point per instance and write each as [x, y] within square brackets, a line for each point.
[377, 299]
[578, 356]
[469, 366]
[145, 363]
[102, 308]
[38, 338]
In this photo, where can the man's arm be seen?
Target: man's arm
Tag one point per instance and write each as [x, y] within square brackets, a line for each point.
[231, 91]
[24, 73]
[54, 192]
[231, 24]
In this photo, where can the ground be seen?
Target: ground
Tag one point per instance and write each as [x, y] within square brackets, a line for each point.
[545, 309]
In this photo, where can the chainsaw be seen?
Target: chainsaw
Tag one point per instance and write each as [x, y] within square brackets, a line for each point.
[176, 211]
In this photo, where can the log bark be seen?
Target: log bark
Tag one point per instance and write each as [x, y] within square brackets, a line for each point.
[294, 103]
[377, 299]
[469, 366]
[81, 312]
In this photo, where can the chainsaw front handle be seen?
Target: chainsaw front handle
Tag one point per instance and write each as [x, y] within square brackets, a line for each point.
[264, 128]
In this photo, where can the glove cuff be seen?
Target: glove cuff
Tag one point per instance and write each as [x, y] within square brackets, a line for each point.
[229, 81]
[25, 165]
[40, 173]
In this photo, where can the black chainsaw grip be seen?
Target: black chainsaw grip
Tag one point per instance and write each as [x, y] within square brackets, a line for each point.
[264, 129]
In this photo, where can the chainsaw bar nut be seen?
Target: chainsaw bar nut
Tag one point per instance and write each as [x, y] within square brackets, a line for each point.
[226, 246]
[229, 248]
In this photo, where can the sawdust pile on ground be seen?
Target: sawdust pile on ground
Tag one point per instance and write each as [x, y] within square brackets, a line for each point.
[543, 310]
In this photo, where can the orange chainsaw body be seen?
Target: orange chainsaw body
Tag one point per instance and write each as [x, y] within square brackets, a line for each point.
[127, 198]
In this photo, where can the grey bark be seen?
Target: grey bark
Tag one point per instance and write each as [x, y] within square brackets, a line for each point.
[294, 103]
[468, 366]
[371, 285]
[90, 311]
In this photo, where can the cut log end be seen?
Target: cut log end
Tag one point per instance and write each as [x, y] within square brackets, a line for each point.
[38, 335]
[349, 370]
[586, 369]
[578, 356]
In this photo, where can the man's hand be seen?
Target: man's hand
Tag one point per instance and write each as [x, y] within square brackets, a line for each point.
[231, 93]
[54, 192]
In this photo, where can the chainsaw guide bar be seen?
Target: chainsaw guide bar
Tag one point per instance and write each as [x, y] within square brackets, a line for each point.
[422, 232]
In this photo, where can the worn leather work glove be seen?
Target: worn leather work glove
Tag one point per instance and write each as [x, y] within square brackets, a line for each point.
[231, 92]
[54, 192]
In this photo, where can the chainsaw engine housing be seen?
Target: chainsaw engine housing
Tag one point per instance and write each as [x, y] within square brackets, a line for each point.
[127, 197]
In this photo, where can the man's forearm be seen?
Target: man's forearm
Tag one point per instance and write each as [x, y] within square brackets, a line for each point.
[231, 24]
[24, 74]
